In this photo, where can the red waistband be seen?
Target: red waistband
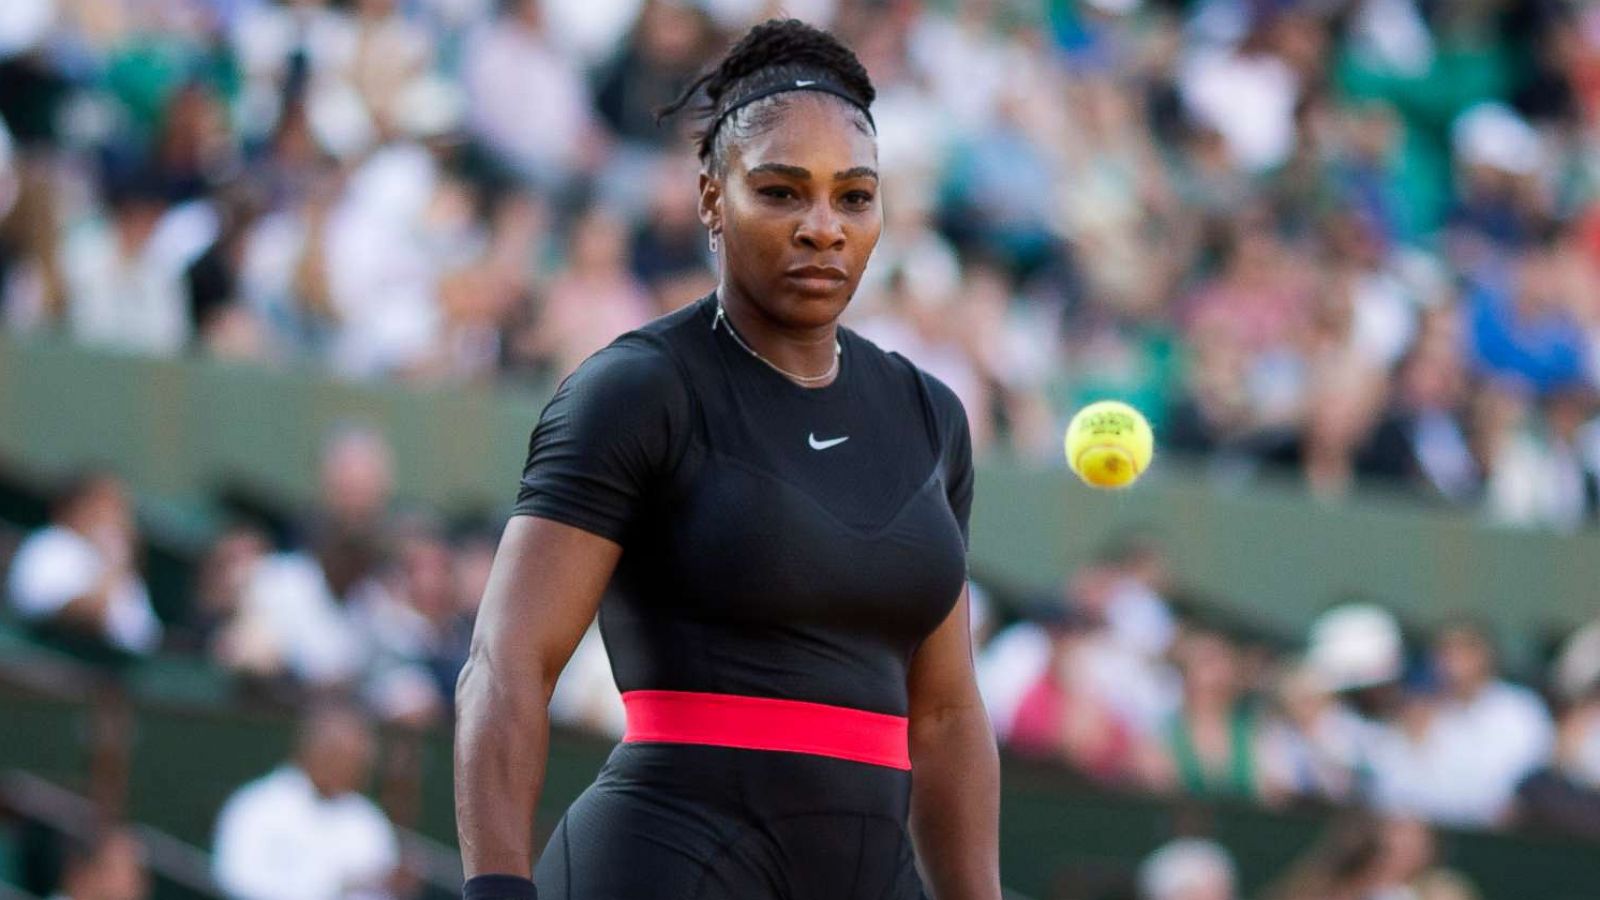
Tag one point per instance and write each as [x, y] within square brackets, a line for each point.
[764, 723]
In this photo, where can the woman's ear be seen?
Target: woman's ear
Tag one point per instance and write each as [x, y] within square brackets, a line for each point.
[710, 202]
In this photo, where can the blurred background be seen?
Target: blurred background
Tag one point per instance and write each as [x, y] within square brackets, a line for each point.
[284, 284]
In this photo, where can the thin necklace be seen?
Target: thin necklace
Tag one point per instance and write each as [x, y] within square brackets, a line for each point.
[802, 379]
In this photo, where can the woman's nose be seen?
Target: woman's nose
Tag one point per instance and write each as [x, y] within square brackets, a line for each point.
[822, 228]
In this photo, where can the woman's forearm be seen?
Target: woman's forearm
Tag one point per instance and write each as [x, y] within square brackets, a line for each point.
[502, 743]
[955, 804]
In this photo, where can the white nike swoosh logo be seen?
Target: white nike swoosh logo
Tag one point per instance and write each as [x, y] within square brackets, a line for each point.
[823, 445]
[804, 83]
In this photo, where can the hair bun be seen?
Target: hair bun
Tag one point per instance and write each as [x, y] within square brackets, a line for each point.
[772, 52]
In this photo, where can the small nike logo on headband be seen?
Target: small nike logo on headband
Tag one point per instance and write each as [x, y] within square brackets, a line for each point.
[804, 83]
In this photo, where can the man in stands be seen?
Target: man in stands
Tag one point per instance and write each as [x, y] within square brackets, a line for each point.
[304, 831]
[77, 580]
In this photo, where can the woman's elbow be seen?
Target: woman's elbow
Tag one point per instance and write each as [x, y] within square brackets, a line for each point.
[485, 693]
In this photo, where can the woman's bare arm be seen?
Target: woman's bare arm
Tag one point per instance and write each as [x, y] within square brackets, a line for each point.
[955, 782]
[542, 594]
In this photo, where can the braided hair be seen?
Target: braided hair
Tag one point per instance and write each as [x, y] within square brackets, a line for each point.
[773, 54]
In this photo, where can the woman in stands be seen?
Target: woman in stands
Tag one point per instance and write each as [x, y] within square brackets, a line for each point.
[779, 510]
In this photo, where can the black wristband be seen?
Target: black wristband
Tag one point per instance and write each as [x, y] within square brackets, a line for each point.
[499, 887]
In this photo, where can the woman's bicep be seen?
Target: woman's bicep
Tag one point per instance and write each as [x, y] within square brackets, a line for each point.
[542, 593]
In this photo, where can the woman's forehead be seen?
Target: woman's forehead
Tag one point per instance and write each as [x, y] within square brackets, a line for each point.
[813, 132]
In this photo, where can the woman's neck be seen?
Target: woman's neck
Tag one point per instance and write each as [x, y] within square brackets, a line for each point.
[807, 350]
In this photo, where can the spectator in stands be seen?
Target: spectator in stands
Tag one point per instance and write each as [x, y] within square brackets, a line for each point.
[662, 53]
[391, 51]
[1363, 857]
[1342, 410]
[298, 621]
[668, 251]
[1520, 317]
[1124, 630]
[1457, 756]
[406, 616]
[77, 581]
[1062, 718]
[1423, 439]
[218, 624]
[595, 298]
[304, 831]
[1215, 742]
[1188, 869]
[124, 282]
[514, 64]
[403, 224]
[1316, 746]
[295, 602]
[356, 480]
[107, 866]
[1546, 466]
[1565, 795]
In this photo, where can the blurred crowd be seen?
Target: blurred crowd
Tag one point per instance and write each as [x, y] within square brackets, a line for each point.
[1356, 240]
[1119, 679]
[1118, 675]
[360, 611]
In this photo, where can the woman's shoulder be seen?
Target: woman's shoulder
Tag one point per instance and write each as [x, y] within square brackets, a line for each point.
[897, 366]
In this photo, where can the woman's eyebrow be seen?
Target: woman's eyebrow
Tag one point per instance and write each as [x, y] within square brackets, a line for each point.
[782, 169]
[803, 174]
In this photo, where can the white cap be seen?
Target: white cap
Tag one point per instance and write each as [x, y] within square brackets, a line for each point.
[1355, 646]
[1492, 134]
[1186, 866]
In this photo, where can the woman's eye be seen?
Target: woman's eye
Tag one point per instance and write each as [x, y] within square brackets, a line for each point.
[777, 193]
[858, 198]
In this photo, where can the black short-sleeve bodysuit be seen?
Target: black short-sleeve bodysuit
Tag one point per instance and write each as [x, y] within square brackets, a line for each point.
[778, 541]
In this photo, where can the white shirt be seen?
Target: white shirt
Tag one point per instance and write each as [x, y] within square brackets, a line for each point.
[1143, 690]
[1249, 100]
[278, 839]
[315, 636]
[385, 263]
[56, 566]
[132, 303]
[1139, 618]
[1465, 768]
[527, 98]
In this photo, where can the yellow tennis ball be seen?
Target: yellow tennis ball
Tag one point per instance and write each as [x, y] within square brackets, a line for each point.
[1109, 444]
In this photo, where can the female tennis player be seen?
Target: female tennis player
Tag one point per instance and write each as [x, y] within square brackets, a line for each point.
[779, 511]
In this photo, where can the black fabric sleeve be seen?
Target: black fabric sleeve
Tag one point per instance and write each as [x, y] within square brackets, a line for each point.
[613, 428]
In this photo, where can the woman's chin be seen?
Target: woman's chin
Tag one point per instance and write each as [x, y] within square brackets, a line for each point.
[814, 308]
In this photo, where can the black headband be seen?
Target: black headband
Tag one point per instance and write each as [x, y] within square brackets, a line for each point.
[824, 85]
